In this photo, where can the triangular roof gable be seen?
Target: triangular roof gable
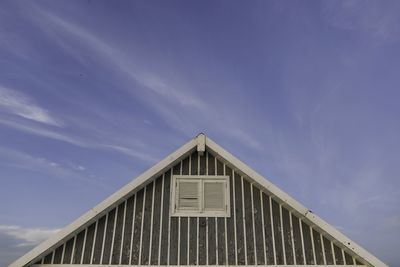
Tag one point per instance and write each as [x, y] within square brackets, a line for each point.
[200, 143]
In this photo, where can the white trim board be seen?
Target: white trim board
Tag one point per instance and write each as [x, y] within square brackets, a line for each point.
[101, 208]
[198, 143]
[106, 265]
[293, 205]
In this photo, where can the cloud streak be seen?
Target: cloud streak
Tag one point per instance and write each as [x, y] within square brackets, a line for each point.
[38, 131]
[167, 97]
[26, 236]
[21, 105]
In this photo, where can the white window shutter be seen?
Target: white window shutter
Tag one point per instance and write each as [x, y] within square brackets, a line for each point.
[188, 198]
[214, 196]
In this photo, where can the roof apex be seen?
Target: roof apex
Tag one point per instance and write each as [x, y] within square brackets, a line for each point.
[199, 143]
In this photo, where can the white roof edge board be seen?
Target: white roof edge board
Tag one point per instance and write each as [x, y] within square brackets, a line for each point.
[102, 265]
[294, 204]
[196, 143]
[154, 171]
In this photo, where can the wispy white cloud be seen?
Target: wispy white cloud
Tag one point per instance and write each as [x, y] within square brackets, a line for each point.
[20, 104]
[22, 160]
[26, 236]
[167, 97]
[77, 141]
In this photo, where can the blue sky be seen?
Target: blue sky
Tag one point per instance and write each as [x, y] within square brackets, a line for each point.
[92, 93]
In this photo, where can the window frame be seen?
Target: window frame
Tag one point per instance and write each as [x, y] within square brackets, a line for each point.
[175, 212]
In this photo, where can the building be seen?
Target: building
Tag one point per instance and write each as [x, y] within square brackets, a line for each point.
[198, 206]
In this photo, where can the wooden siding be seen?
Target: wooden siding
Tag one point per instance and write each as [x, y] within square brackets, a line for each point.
[139, 231]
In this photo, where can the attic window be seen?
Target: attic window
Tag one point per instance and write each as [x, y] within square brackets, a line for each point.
[200, 196]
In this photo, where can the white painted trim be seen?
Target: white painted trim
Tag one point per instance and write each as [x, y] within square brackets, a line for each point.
[254, 226]
[312, 245]
[263, 227]
[272, 228]
[152, 221]
[105, 205]
[161, 219]
[117, 211]
[201, 144]
[98, 265]
[133, 228]
[123, 232]
[244, 221]
[178, 260]
[333, 253]
[169, 219]
[294, 205]
[94, 242]
[83, 246]
[283, 198]
[226, 220]
[72, 251]
[141, 226]
[104, 239]
[201, 212]
[234, 212]
[344, 258]
[206, 155]
[63, 252]
[323, 247]
[302, 242]
[188, 241]
[197, 240]
[282, 235]
[292, 238]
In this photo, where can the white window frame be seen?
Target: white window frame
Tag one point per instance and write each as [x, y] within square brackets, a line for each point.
[201, 213]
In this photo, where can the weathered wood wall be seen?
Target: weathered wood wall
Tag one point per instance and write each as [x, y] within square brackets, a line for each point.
[139, 230]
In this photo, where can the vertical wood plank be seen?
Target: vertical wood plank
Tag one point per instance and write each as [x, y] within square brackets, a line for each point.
[183, 241]
[68, 251]
[58, 255]
[155, 243]
[173, 245]
[221, 229]
[118, 234]
[258, 226]
[239, 220]
[165, 219]
[148, 207]
[287, 237]
[248, 221]
[269, 246]
[47, 258]
[109, 236]
[277, 232]
[202, 241]
[135, 250]
[230, 222]
[328, 251]
[99, 240]
[338, 255]
[193, 240]
[87, 252]
[79, 247]
[192, 220]
[212, 260]
[211, 164]
[298, 246]
[183, 231]
[127, 230]
[307, 243]
[319, 257]
[348, 259]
